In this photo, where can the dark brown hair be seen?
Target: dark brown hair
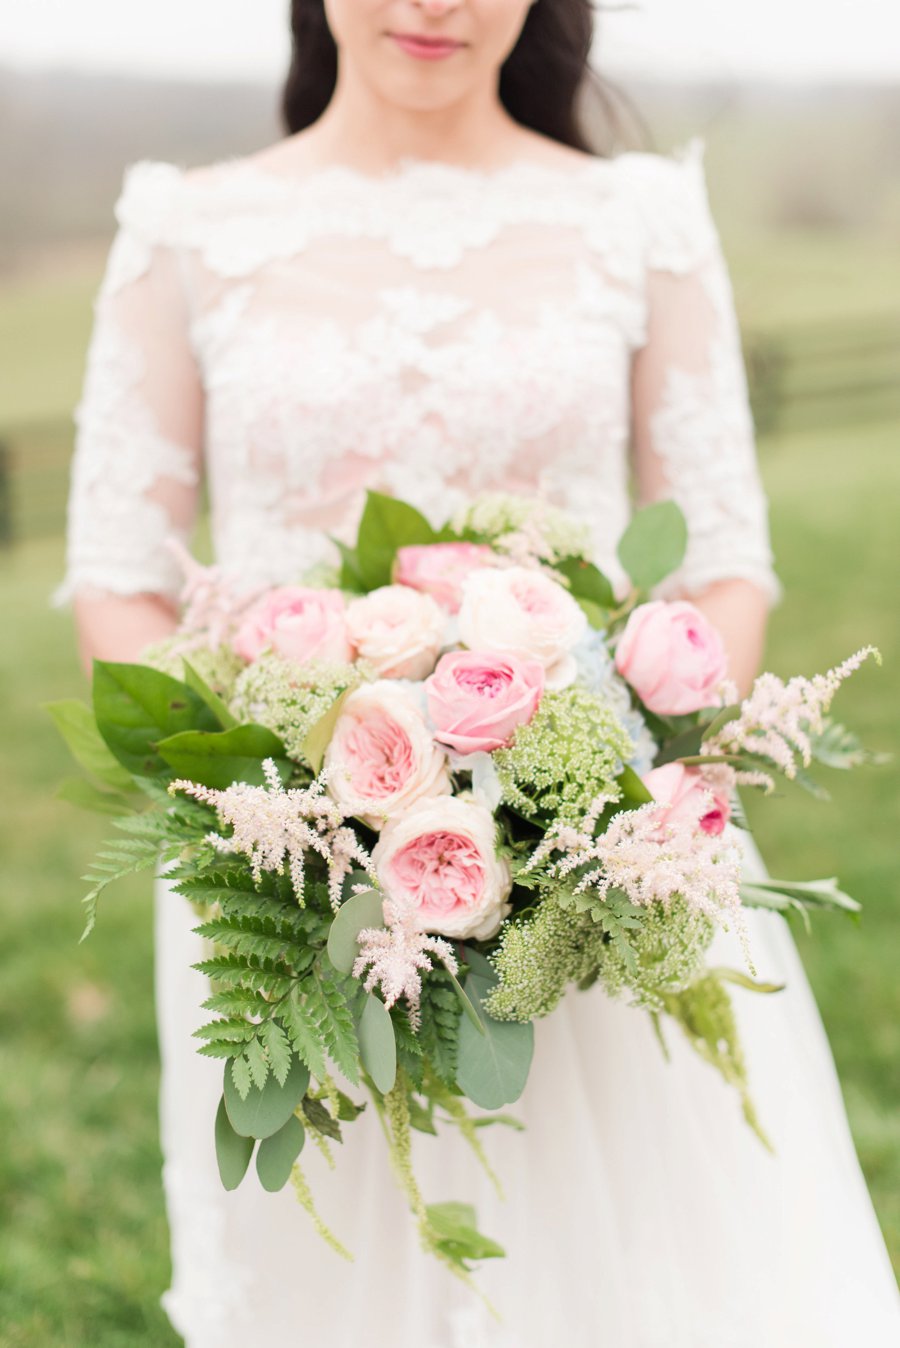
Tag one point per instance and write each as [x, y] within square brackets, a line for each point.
[546, 82]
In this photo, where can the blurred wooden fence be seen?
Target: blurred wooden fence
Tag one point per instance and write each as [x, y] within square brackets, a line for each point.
[822, 377]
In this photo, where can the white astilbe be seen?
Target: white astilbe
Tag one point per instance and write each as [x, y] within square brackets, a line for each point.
[779, 720]
[271, 824]
[396, 955]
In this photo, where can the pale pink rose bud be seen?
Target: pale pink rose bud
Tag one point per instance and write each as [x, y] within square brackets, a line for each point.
[439, 569]
[673, 658]
[684, 795]
[519, 611]
[382, 756]
[439, 860]
[477, 700]
[297, 623]
[397, 630]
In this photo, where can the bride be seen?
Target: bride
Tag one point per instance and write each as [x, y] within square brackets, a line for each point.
[431, 287]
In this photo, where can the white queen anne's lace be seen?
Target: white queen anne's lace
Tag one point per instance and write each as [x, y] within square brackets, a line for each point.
[434, 332]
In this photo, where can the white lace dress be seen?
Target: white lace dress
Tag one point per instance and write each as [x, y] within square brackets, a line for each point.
[436, 332]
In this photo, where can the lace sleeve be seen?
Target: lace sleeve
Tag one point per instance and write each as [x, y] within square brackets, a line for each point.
[136, 466]
[692, 430]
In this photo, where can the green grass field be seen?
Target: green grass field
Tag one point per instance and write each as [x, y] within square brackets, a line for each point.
[83, 1254]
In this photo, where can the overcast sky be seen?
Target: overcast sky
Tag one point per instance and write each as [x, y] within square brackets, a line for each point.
[781, 39]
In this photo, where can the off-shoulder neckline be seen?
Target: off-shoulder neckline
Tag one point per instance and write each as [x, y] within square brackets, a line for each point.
[411, 168]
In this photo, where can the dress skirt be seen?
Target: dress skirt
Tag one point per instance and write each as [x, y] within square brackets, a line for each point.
[640, 1209]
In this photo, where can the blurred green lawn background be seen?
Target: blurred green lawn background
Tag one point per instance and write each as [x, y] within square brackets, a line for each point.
[83, 1249]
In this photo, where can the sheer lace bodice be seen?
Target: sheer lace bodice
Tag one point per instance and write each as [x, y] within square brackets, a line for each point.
[433, 332]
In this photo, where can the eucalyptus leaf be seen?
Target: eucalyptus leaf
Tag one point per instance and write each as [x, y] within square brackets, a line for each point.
[136, 707]
[277, 1154]
[354, 915]
[78, 726]
[466, 1001]
[233, 1151]
[785, 894]
[219, 758]
[265, 1109]
[198, 684]
[654, 544]
[493, 1067]
[377, 1044]
[386, 525]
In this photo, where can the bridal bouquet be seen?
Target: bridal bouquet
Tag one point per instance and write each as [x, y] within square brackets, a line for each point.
[415, 801]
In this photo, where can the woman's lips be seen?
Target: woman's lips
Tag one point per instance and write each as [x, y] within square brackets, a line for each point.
[426, 48]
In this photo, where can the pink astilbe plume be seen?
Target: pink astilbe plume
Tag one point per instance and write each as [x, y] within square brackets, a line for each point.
[396, 955]
[779, 720]
[210, 601]
[271, 824]
[651, 861]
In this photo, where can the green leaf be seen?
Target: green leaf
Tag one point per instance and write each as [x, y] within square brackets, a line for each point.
[377, 1045]
[79, 791]
[319, 737]
[216, 705]
[222, 757]
[634, 792]
[742, 980]
[587, 582]
[654, 544]
[386, 525]
[136, 707]
[354, 915]
[317, 1117]
[493, 1067]
[233, 1151]
[466, 1002]
[350, 578]
[721, 720]
[240, 1069]
[455, 1225]
[78, 726]
[327, 1006]
[264, 1110]
[785, 894]
[278, 1049]
[303, 1032]
[277, 1154]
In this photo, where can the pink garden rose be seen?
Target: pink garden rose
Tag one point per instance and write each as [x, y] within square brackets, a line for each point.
[683, 795]
[440, 860]
[439, 569]
[397, 630]
[519, 611]
[382, 756]
[673, 658]
[297, 623]
[476, 700]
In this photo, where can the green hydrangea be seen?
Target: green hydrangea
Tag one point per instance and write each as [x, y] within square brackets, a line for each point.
[496, 515]
[571, 751]
[290, 698]
[218, 666]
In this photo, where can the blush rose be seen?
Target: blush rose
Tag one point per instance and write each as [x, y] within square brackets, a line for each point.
[520, 611]
[439, 569]
[684, 795]
[298, 623]
[439, 860]
[382, 757]
[672, 657]
[476, 700]
[399, 631]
